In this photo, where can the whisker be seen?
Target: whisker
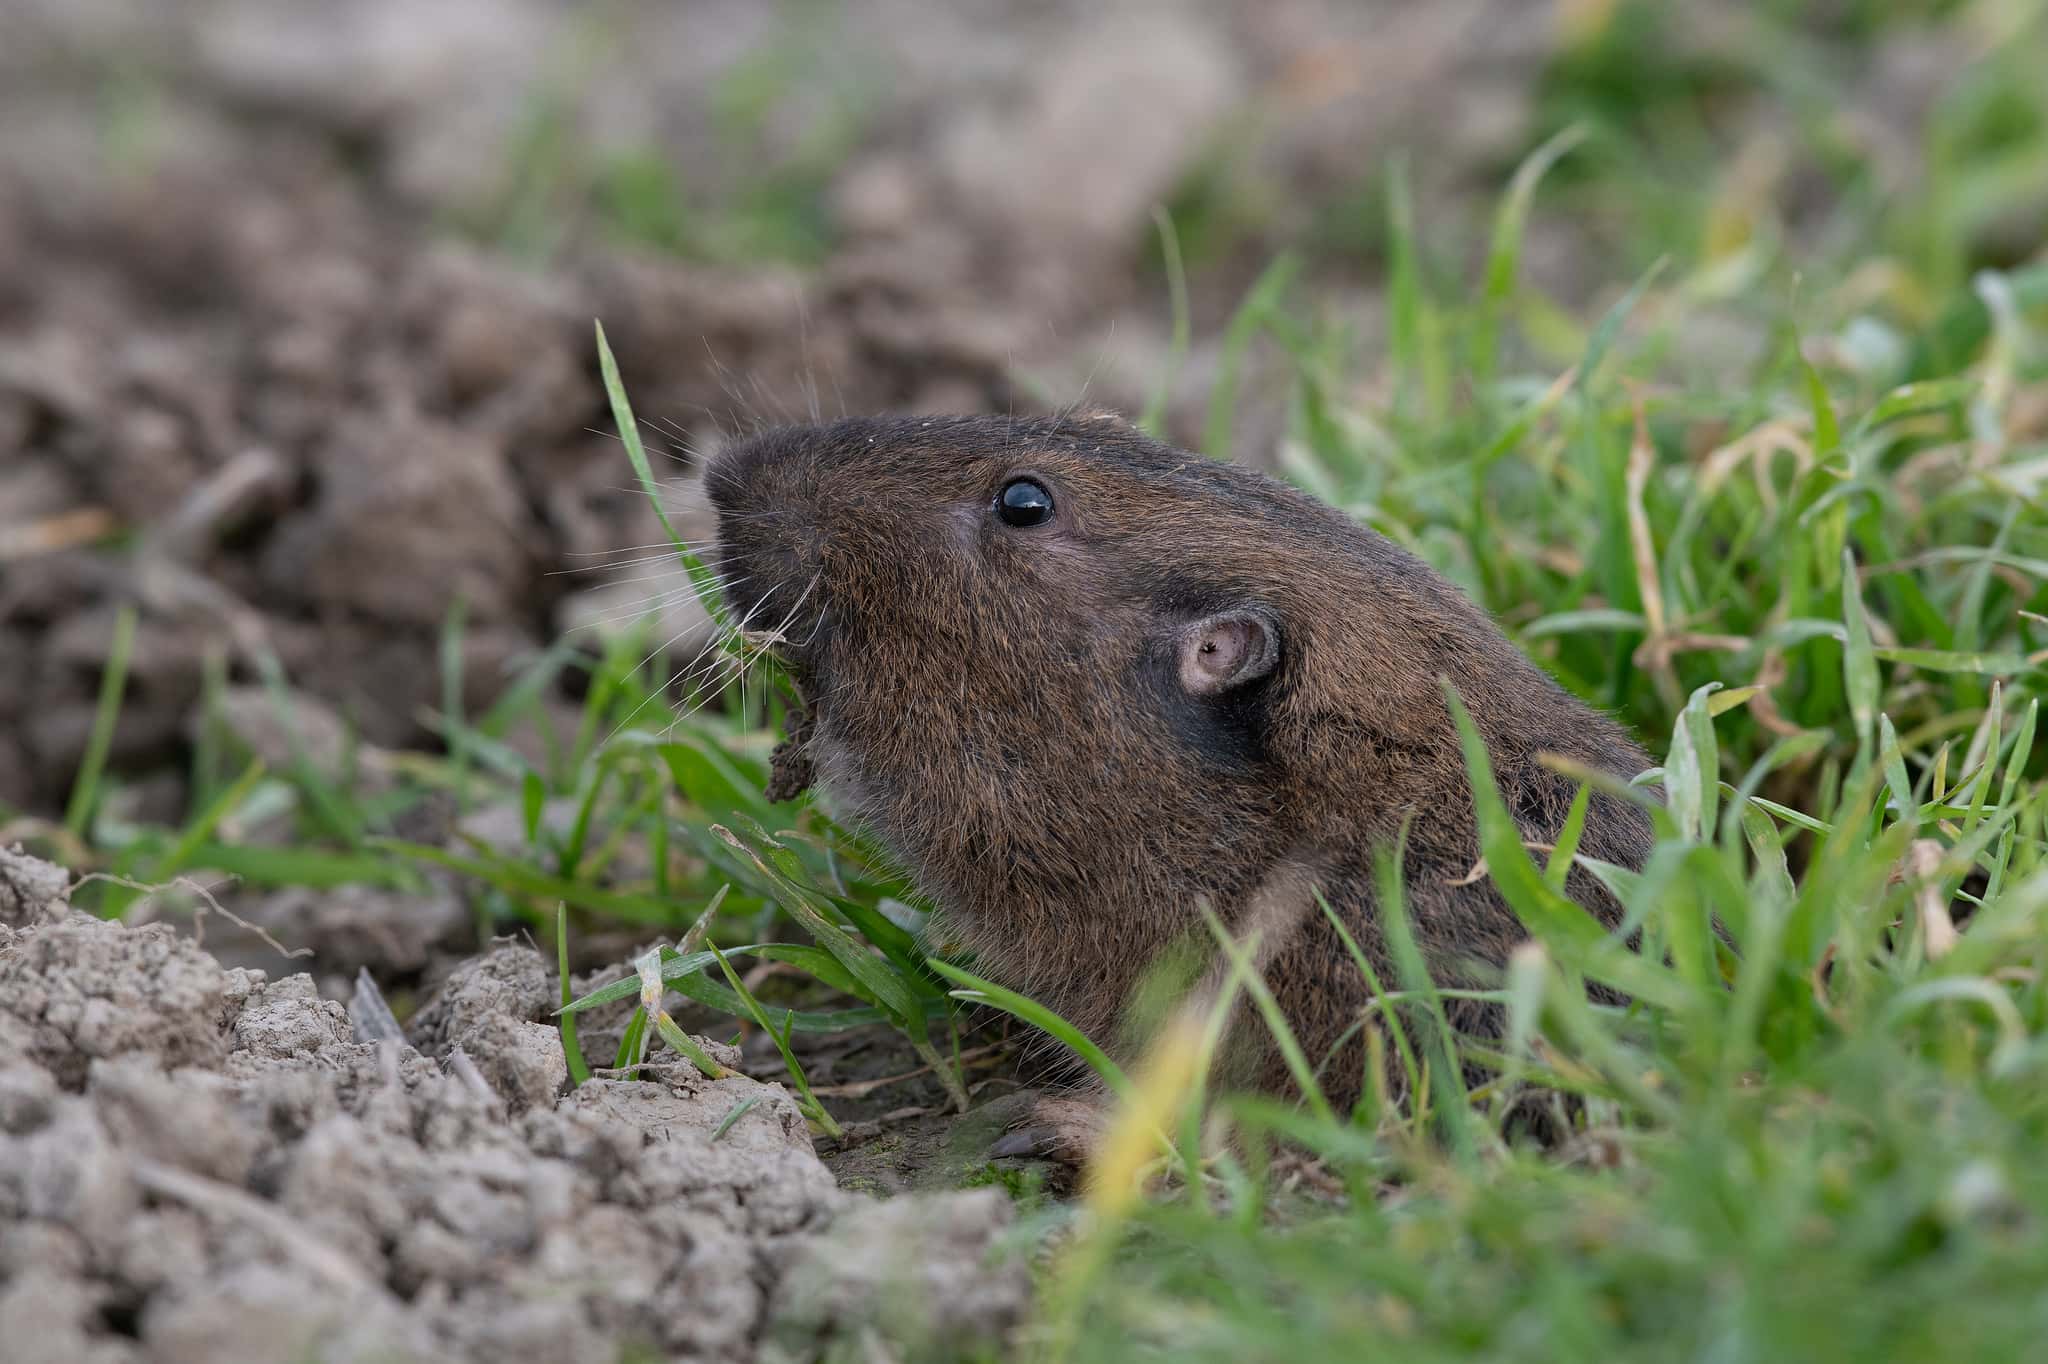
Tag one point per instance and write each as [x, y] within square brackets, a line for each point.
[660, 691]
[709, 665]
[682, 580]
[685, 439]
[621, 549]
[667, 449]
[664, 437]
[757, 645]
[644, 609]
[818, 625]
[618, 566]
[683, 587]
[691, 666]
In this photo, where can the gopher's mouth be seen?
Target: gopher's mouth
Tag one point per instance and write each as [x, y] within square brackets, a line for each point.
[792, 659]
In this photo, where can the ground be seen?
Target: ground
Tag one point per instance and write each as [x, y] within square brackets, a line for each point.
[320, 559]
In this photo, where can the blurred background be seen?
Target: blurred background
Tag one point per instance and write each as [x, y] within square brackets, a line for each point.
[296, 298]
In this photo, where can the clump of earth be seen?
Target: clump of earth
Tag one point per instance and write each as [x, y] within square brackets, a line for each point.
[208, 1163]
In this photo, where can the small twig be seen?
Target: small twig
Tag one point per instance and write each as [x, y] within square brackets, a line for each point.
[672, 1071]
[764, 971]
[857, 1089]
[1763, 707]
[1642, 459]
[65, 530]
[226, 493]
[198, 918]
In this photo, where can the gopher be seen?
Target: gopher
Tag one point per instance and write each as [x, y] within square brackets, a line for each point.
[1085, 685]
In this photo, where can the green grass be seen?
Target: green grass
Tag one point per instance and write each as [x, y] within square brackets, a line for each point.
[1777, 501]
[78, 810]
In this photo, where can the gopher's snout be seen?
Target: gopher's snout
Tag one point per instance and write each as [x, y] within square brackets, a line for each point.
[770, 548]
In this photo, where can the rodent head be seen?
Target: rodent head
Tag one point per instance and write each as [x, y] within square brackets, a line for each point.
[1072, 675]
[994, 555]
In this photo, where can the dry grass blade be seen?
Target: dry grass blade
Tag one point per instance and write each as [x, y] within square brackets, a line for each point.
[1922, 866]
[1654, 652]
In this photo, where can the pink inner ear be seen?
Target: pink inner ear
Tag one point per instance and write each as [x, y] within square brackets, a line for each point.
[1212, 656]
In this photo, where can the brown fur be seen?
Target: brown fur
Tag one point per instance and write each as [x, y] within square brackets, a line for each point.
[1002, 707]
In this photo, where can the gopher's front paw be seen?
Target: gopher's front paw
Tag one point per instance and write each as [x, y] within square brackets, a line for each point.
[1065, 1131]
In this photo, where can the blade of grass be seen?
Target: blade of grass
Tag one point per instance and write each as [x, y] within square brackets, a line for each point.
[85, 787]
[1270, 1012]
[974, 988]
[1567, 845]
[648, 965]
[1859, 663]
[312, 868]
[1151, 421]
[806, 1100]
[1412, 969]
[735, 1113]
[1504, 252]
[874, 973]
[565, 1022]
[2015, 768]
[1381, 1000]
[179, 855]
[1574, 936]
[513, 876]
[632, 1042]
[1257, 308]
[457, 731]
[701, 578]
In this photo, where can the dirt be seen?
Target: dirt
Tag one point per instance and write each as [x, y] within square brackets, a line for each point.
[206, 1163]
[296, 360]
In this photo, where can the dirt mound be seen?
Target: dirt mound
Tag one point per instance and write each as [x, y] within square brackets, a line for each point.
[201, 1163]
[347, 432]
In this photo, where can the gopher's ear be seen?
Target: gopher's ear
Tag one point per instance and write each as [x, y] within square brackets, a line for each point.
[1228, 650]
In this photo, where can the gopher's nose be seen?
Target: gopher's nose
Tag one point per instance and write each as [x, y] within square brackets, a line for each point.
[768, 536]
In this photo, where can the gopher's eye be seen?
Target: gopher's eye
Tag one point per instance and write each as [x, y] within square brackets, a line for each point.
[1024, 503]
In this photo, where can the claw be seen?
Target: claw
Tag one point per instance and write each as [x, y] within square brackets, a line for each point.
[1024, 1141]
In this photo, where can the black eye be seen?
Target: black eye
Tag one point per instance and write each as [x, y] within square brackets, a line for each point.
[1024, 503]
